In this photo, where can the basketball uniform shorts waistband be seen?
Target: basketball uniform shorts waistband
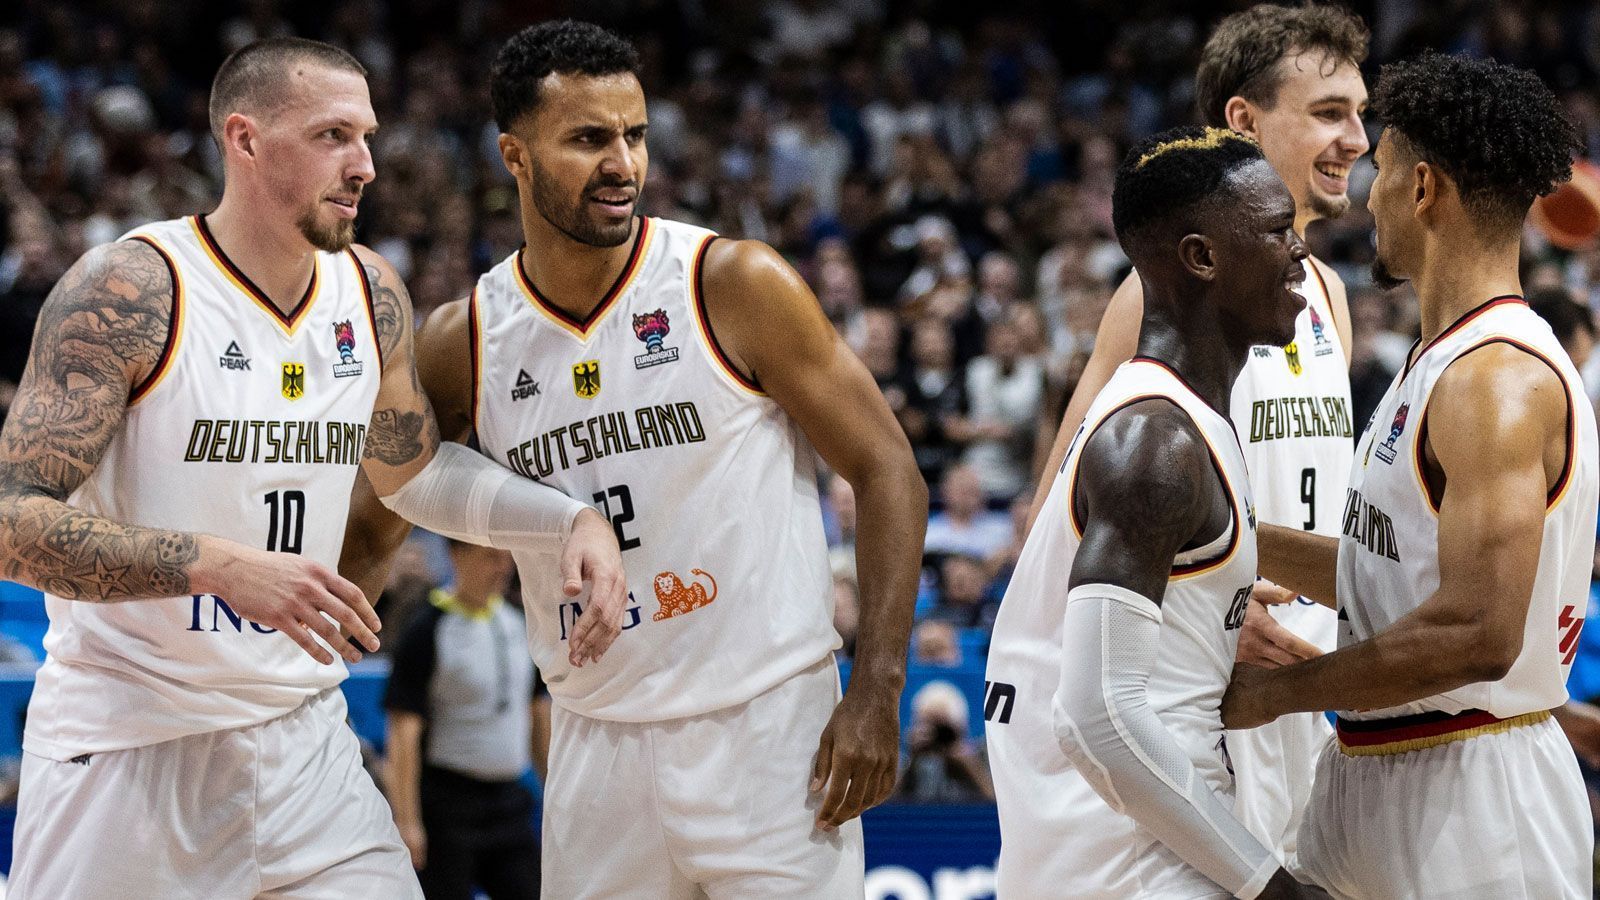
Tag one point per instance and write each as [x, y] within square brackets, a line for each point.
[1403, 734]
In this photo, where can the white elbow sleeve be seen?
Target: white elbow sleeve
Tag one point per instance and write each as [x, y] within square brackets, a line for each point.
[467, 496]
[1106, 726]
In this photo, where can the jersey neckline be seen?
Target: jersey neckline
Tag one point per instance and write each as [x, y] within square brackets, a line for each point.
[1415, 355]
[289, 321]
[581, 327]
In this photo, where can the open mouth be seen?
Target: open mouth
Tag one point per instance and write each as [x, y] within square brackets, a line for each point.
[1335, 177]
[615, 202]
[345, 205]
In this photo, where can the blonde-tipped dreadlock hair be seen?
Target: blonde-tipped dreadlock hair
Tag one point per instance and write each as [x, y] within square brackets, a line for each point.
[1211, 139]
[1166, 177]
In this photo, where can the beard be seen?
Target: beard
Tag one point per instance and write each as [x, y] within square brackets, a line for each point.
[1328, 207]
[334, 238]
[1382, 277]
[568, 218]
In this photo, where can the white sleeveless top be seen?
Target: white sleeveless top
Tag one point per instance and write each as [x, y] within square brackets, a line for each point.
[1388, 554]
[250, 428]
[709, 484]
[1204, 604]
[1291, 408]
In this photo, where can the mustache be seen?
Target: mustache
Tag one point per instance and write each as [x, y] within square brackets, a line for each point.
[602, 183]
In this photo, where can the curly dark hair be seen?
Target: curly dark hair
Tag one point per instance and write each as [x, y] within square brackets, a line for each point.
[564, 46]
[1496, 130]
[1241, 57]
[1172, 178]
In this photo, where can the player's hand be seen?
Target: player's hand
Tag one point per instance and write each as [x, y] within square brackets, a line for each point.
[1263, 642]
[591, 555]
[854, 769]
[416, 839]
[1264, 591]
[300, 597]
[1284, 886]
[1241, 705]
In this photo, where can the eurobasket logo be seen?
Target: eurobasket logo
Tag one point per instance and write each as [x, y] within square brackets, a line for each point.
[652, 328]
[1319, 335]
[344, 338]
[1385, 451]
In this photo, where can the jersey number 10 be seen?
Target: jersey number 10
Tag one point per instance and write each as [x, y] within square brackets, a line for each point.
[286, 521]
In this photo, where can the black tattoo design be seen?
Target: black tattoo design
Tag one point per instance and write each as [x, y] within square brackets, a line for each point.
[100, 332]
[397, 435]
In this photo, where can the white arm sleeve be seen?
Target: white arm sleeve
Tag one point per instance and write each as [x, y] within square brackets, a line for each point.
[1106, 726]
[465, 495]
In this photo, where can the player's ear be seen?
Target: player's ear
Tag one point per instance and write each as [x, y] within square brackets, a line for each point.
[239, 135]
[1426, 185]
[1240, 115]
[514, 154]
[1198, 257]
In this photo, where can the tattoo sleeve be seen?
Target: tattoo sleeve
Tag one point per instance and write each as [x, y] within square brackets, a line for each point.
[101, 330]
[403, 431]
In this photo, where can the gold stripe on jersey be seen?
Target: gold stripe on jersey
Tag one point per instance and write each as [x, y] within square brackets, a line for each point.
[703, 322]
[1394, 748]
[475, 357]
[288, 322]
[1556, 493]
[169, 349]
[372, 312]
[581, 329]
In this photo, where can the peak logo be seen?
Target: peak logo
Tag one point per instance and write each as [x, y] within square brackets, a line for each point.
[526, 387]
[234, 359]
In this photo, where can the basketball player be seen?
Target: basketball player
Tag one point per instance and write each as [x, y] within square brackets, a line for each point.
[1290, 78]
[197, 399]
[680, 381]
[1128, 597]
[1462, 573]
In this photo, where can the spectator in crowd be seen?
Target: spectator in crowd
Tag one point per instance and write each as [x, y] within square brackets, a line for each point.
[463, 726]
[937, 398]
[964, 599]
[935, 642]
[943, 765]
[965, 525]
[1005, 387]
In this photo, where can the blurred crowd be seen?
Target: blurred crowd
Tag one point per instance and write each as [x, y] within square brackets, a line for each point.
[939, 172]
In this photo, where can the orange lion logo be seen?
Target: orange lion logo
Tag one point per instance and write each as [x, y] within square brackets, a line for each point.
[677, 598]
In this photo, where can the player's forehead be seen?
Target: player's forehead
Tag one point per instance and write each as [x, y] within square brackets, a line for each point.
[1262, 197]
[571, 100]
[323, 96]
[1317, 76]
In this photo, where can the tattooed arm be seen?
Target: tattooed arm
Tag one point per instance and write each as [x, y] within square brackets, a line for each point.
[100, 334]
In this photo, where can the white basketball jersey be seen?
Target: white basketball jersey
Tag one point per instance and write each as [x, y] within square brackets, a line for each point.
[1203, 607]
[1291, 408]
[1388, 552]
[250, 428]
[710, 486]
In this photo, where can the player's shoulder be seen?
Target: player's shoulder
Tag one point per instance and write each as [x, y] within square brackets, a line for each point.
[733, 266]
[130, 276]
[1499, 373]
[1149, 447]
[374, 264]
[447, 328]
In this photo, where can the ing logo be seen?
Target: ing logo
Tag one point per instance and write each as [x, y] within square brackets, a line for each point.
[677, 598]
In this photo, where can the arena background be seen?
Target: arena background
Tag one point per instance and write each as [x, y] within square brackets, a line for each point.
[940, 172]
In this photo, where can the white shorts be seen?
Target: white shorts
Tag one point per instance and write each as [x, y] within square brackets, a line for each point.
[1273, 765]
[1057, 837]
[714, 805]
[282, 809]
[1498, 816]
